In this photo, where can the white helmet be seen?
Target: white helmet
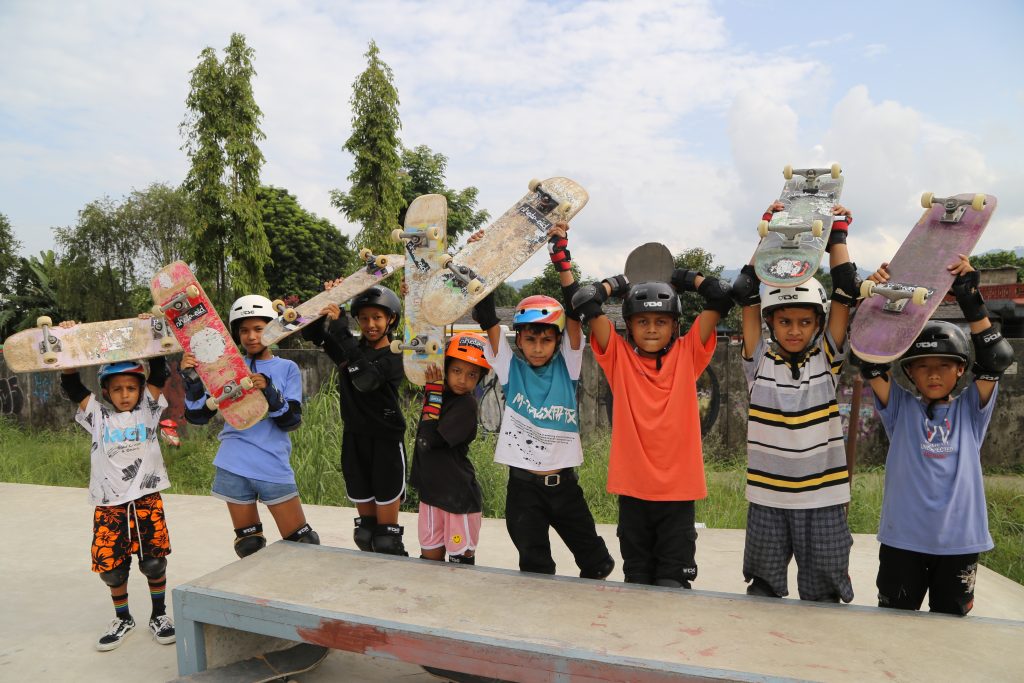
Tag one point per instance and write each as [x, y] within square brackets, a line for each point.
[249, 306]
[810, 293]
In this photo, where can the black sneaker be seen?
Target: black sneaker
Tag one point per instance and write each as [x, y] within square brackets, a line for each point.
[162, 629]
[115, 635]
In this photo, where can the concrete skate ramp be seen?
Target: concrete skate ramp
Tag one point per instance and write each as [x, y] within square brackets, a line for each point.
[522, 627]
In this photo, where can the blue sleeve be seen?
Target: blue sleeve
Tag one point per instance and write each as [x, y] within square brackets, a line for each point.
[978, 416]
[890, 414]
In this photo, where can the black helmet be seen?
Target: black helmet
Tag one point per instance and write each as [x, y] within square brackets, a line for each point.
[938, 338]
[652, 297]
[381, 297]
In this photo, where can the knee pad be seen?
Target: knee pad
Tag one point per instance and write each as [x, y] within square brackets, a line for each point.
[249, 540]
[387, 540]
[116, 576]
[601, 571]
[304, 534]
[363, 534]
[153, 567]
[462, 559]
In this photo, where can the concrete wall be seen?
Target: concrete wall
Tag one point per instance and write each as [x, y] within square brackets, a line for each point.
[36, 401]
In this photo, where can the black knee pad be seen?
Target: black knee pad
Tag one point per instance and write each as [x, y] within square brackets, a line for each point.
[153, 567]
[601, 571]
[462, 559]
[304, 534]
[249, 540]
[116, 576]
[387, 540]
[363, 534]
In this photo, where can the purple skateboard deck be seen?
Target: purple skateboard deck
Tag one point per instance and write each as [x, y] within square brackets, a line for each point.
[892, 315]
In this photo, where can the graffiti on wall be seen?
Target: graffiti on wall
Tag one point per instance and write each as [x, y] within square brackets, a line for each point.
[11, 399]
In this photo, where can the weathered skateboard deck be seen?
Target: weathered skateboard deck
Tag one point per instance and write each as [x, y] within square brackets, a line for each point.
[794, 240]
[272, 666]
[651, 262]
[291, 320]
[426, 238]
[48, 347]
[892, 315]
[507, 243]
[195, 323]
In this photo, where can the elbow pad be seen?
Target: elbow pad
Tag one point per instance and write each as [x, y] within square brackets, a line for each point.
[588, 300]
[290, 419]
[746, 290]
[275, 400]
[73, 387]
[194, 389]
[716, 296]
[992, 355]
[844, 284]
[683, 280]
[568, 292]
[158, 372]
[485, 314]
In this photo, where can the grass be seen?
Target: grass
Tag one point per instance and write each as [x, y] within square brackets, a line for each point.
[60, 458]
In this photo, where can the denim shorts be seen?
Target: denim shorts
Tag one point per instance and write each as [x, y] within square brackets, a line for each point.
[235, 488]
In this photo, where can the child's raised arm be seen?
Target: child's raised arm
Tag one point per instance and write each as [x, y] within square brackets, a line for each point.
[558, 250]
[588, 302]
[877, 374]
[992, 353]
[844, 275]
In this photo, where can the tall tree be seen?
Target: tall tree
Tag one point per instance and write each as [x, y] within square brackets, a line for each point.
[375, 198]
[221, 130]
[305, 250]
[160, 214]
[423, 172]
[36, 293]
[9, 262]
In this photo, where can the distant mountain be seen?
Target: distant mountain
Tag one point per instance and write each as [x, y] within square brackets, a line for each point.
[518, 284]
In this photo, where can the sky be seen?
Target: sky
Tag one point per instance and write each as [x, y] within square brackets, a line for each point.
[677, 117]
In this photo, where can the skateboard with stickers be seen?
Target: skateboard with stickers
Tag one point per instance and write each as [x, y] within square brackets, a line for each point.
[891, 315]
[292, 319]
[793, 241]
[193, 320]
[479, 267]
[425, 237]
[49, 347]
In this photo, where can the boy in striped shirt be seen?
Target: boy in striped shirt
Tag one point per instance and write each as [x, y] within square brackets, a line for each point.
[798, 482]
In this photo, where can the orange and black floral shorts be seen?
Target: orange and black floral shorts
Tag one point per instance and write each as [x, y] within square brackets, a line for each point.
[119, 531]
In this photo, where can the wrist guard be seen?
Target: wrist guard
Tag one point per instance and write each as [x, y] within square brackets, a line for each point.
[844, 284]
[73, 387]
[194, 389]
[588, 300]
[338, 329]
[158, 372]
[716, 296]
[965, 289]
[840, 228]
[870, 371]
[275, 399]
[619, 285]
[992, 355]
[558, 250]
[568, 291]
[484, 313]
[746, 290]
[682, 280]
[432, 392]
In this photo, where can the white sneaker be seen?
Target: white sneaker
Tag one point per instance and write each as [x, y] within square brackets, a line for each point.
[162, 629]
[115, 635]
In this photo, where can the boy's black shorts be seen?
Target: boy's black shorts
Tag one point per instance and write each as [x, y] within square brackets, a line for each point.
[904, 576]
[657, 540]
[374, 468]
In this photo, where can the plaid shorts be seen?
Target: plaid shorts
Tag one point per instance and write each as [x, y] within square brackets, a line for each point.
[119, 531]
[819, 538]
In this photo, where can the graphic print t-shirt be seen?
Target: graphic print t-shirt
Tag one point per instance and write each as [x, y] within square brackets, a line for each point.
[540, 424]
[126, 460]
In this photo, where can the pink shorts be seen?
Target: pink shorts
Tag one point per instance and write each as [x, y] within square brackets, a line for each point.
[456, 532]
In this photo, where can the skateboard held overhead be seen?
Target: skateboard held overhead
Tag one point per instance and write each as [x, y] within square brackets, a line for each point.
[200, 331]
[793, 242]
[892, 314]
[651, 262]
[425, 237]
[475, 272]
[48, 347]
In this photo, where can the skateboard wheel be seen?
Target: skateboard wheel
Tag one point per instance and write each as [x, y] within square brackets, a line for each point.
[290, 315]
[563, 208]
[364, 254]
[278, 306]
[816, 228]
[44, 321]
[381, 261]
[919, 296]
[49, 358]
[762, 228]
[396, 346]
[787, 172]
[926, 200]
[192, 292]
[867, 289]
[533, 184]
[446, 260]
[433, 347]
[836, 170]
[246, 383]
[211, 403]
[434, 232]
[475, 286]
[157, 311]
[396, 235]
[166, 343]
[978, 203]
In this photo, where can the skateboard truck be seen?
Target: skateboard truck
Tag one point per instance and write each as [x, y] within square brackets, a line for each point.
[49, 346]
[421, 343]
[373, 262]
[417, 238]
[898, 294]
[811, 175]
[955, 208]
[230, 392]
[180, 301]
[162, 332]
[286, 312]
[790, 233]
[466, 277]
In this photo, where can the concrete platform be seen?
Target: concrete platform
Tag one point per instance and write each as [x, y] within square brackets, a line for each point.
[55, 608]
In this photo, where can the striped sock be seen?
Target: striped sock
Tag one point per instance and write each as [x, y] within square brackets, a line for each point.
[121, 606]
[157, 590]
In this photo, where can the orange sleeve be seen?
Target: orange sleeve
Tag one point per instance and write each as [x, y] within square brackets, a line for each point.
[700, 354]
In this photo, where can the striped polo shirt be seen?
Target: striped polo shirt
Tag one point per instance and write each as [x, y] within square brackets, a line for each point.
[795, 453]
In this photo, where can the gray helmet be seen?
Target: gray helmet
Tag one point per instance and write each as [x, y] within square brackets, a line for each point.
[652, 297]
[938, 338]
[381, 297]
